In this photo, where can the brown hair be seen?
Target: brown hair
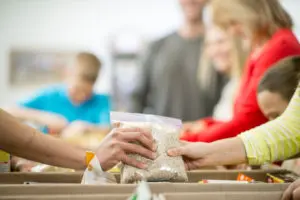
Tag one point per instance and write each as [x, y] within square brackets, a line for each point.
[88, 66]
[282, 77]
[238, 56]
[261, 17]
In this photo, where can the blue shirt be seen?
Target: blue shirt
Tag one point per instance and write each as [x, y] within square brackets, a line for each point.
[55, 99]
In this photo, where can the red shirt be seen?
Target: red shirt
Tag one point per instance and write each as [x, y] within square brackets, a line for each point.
[246, 113]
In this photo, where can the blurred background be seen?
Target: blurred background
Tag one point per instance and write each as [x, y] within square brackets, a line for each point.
[55, 26]
[105, 27]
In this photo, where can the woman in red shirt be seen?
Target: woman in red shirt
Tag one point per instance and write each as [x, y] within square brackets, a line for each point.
[266, 27]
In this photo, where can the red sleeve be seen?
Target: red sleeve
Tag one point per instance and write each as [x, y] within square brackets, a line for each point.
[192, 137]
[209, 121]
[248, 114]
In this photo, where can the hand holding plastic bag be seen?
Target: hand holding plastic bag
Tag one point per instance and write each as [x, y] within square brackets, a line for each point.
[165, 132]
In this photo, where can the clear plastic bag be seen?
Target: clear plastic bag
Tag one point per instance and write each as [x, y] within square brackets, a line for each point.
[165, 132]
[94, 175]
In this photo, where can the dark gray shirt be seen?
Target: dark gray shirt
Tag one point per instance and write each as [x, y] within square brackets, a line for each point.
[167, 84]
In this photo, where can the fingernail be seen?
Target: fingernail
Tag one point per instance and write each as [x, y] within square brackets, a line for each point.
[153, 155]
[143, 166]
[154, 148]
[170, 152]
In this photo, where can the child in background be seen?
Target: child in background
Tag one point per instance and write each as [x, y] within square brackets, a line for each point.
[275, 92]
[73, 105]
[277, 87]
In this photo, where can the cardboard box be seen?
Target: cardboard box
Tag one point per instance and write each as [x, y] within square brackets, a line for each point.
[63, 189]
[75, 177]
[170, 196]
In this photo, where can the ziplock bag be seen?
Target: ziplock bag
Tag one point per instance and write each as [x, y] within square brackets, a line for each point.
[165, 132]
[94, 175]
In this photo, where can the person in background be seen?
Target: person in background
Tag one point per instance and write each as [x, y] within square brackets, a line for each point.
[266, 28]
[167, 84]
[274, 141]
[277, 87]
[275, 92]
[23, 141]
[227, 56]
[73, 105]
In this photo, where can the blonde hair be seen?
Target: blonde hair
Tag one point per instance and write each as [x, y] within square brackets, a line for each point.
[87, 66]
[238, 55]
[261, 17]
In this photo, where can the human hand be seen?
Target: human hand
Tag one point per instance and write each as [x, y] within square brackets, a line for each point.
[120, 142]
[194, 154]
[223, 152]
[192, 128]
[293, 191]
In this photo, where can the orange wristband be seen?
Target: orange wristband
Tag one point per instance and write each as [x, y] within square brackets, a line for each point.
[89, 155]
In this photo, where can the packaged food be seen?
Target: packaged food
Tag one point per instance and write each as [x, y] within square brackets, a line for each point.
[4, 161]
[49, 168]
[274, 179]
[282, 177]
[165, 132]
[243, 177]
[223, 181]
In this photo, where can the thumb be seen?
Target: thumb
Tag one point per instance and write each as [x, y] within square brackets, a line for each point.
[179, 151]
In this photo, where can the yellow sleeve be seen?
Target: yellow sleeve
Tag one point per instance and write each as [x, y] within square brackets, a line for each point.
[276, 140]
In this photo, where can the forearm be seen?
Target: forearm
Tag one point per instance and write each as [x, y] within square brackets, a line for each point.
[225, 152]
[26, 114]
[276, 140]
[23, 141]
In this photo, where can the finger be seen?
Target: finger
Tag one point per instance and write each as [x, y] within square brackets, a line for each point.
[132, 162]
[296, 193]
[179, 151]
[287, 195]
[116, 124]
[183, 143]
[190, 166]
[137, 149]
[138, 137]
[146, 132]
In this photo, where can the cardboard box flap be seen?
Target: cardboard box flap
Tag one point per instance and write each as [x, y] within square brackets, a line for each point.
[194, 176]
[168, 196]
[124, 189]
[226, 196]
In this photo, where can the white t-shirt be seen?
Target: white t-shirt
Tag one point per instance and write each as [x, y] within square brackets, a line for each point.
[223, 111]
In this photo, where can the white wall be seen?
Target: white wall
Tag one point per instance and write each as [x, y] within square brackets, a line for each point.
[76, 24]
[292, 7]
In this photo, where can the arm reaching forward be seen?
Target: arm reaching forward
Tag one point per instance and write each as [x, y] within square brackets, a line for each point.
[23, 141]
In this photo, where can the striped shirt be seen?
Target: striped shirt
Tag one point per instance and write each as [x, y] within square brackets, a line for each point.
[276, 140]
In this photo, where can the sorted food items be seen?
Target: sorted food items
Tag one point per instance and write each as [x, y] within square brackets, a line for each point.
[165, 132]
[49, 168]
[287, 177]
[222, 181]
[4, 161]
[243, 177]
